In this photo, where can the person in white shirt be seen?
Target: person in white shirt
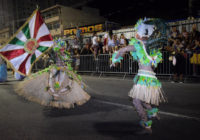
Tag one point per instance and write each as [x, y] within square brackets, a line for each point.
[111, 43]
[122, 41]
[105, 44]
[95, 44]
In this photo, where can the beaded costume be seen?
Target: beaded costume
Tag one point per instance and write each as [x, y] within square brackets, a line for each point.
[58, 85]
[144, 48]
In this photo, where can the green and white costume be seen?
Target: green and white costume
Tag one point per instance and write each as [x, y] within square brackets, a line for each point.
[56, 86]
[150, 34]
[146, 85]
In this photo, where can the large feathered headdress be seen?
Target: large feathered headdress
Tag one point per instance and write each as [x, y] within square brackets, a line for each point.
[155, 29]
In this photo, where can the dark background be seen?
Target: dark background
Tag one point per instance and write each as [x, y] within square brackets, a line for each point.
[128, 11]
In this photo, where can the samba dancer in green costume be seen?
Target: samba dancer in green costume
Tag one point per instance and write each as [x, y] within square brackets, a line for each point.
[58, 85]
[144, 48]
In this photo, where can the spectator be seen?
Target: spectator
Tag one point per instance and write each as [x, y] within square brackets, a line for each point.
[196, 57]
[126, 42]
[185, 38]
[78, 33]
[123, 41]
[195, 34]
[87, 48]
[95, 44]
[196, 48]
[116, 42]
[184, 33]
[173, 35]
[75, 44]
[100, 42]
[111, 42]
[77, 60]
[179, 62]
[105, 43]
[177, 45]
[67, 46]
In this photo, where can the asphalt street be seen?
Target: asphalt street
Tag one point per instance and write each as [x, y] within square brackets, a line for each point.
[109, 115]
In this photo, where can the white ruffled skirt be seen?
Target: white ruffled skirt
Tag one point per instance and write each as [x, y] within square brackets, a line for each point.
[147, 88]
[42, 89]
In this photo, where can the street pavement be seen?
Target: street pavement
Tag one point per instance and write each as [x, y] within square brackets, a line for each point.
[109, 115]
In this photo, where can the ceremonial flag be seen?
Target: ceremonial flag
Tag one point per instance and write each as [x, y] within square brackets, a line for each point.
[30, 42]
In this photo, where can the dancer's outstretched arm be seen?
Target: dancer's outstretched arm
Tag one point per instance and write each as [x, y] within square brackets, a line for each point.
[117, 56]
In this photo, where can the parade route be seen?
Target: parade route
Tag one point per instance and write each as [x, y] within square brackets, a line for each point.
[109, 115]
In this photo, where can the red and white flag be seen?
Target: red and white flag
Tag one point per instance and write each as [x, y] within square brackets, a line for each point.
[29, 43]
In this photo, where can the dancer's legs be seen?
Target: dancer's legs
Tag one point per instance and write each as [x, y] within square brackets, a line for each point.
[151, 112]
[145, 123]
[147, 106]
[140, 110]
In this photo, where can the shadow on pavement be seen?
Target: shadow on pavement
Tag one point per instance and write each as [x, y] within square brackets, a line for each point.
[90, 107]
[4, 83]
[14, 81]
[117, 129]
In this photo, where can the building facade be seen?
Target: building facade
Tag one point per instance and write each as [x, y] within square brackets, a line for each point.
[60, 17]
[4, 35]
[13, 13]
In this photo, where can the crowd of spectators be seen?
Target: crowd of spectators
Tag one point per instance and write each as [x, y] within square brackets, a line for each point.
[181, 44]
[95, 45]
[106, 44]
[182, 47]
[178, 41]
[184, 41]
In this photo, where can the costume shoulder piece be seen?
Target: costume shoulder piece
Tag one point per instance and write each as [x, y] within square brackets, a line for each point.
[152, 36]
[141, 55]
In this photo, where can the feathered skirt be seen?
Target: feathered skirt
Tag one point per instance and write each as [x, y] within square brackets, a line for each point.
[147, 88]
[56, 87]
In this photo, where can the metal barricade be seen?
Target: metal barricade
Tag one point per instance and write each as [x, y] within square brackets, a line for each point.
[102, 64]
[87, 63]
[189, 68]
[129, 66]
[164, 68]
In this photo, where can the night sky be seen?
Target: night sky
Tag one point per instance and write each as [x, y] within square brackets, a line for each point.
[128, 11]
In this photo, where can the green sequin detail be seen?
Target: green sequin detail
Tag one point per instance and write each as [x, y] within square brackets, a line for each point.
[141, 56]
[146, 81]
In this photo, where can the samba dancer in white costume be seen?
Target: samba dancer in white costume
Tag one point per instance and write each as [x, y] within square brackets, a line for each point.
[56, 86]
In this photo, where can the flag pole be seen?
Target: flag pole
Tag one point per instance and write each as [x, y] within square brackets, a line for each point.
[37, 7]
